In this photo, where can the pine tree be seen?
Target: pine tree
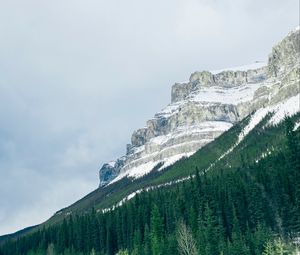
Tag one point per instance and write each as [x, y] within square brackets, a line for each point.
[211, 232]
[157, 228]
[238, 244]
[147, 241]
[269, 249]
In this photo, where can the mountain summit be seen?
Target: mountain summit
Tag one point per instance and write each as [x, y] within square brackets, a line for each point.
[205, 106]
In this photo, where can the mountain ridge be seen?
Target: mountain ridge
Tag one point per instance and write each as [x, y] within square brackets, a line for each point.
[204, 107]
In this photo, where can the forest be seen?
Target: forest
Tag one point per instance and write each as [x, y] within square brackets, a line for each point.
[246, 210]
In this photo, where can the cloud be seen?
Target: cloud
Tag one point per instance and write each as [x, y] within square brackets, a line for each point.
[50, 195]
[77, 77]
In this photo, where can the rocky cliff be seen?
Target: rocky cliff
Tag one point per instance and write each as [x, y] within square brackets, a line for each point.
[204, 107]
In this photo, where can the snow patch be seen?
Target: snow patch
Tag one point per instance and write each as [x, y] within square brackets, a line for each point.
[169, 110]
[137, 172]
[207, 126]
[223, 95]
[139, 149]
[143, 169]
[297, 125]
[285, 108]
[112, 163]
[253, 66]
[255, 119]
[170, 161]
[214, 94]
[264, 154]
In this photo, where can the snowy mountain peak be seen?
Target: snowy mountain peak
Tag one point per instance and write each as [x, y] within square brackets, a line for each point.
[204, 107]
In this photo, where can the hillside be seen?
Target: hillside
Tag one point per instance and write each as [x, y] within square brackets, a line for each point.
[248, 196]
[201, 110]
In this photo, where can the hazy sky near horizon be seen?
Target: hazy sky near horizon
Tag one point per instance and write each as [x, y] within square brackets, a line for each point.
[77, 77]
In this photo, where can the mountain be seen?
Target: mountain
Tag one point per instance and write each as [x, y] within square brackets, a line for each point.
[204, 107]
[222, 158]
[238, 195]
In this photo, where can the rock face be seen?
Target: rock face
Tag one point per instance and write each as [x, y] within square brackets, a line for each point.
[206, 106]
[110, 170]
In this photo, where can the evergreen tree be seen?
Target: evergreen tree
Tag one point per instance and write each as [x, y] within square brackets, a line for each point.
[156, 231]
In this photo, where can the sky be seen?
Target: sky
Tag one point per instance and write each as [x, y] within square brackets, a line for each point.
[78, 77]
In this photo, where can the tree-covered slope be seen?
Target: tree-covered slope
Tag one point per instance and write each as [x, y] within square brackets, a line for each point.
[225, 150]
[243, 198]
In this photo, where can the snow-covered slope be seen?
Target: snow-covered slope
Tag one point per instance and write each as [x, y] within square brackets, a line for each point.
[207, 105]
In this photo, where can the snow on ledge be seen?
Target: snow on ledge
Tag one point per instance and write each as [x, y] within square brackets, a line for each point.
[234, 96]
[205, 126]
[253, 66]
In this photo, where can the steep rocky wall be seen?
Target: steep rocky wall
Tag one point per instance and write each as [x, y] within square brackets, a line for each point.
[206, 106]
[285, 55]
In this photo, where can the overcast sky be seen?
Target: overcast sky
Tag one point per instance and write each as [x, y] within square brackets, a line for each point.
[78, 76]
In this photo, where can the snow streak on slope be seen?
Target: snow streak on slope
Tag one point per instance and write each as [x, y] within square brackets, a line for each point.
[137, 171]
[133, 194]
[255, 119]
[170, 161]
[297, 126]
[280, 111]
[141, 170]
[286, 108]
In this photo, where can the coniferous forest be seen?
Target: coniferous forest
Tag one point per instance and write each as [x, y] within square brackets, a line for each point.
[246, 210]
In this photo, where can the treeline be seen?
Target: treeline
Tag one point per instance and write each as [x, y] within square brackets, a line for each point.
[248, 210]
